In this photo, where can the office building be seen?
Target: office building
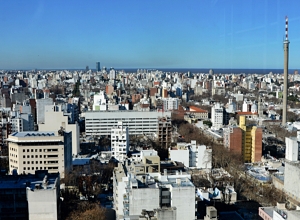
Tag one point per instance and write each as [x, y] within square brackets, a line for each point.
[31, 151]
[99, 123]
[98, 68]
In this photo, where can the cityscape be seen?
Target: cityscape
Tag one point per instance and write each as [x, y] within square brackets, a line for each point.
[140, 111]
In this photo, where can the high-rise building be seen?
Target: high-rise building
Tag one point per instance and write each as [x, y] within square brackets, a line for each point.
[251, 141]
[217, 115]
[119, 141]
[31, 151]
[98, 66]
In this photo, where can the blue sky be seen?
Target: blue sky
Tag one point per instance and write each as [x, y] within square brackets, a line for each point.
[147, 33]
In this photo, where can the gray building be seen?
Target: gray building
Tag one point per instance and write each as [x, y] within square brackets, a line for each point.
[99, 123]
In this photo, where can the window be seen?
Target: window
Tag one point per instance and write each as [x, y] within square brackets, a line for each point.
[31, 150]
[40, 150]
[36, 162]
[27, 150]
[24, 162]
[32, 168]
[24, 156]
[32, 156]
[28, 156]
[24, 168]
[32, 162]
[36, 156]
[41, 156]
[28, 162]
[41, 162]
[35, 150]
[23, 150]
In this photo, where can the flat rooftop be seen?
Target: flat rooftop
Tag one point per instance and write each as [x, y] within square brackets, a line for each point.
[33, 134]
[30, 180]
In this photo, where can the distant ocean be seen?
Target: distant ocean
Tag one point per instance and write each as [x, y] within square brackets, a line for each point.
[216, 71]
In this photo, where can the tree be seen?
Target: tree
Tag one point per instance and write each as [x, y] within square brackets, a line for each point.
[88, 211]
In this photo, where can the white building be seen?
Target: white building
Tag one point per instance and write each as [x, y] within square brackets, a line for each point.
[55, 119]
[40, 109]
[192, 155]
[136, 190]
[139, 123]
[119, 141]
[99, 102]
[170, 104]
[292, 148]
[31, 151]
[217, 115]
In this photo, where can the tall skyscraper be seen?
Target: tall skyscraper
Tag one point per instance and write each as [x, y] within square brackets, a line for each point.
[98, 66]
[286, 43]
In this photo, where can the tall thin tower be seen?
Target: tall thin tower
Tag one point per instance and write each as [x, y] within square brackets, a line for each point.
[286, 43]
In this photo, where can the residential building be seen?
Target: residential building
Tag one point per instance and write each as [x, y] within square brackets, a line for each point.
[40, 109]
[233, 139]
[30, 197]
[55, 120]
[139, 187]
[100, 123]
[217, 115]
[252, 141]
[99, 103]
[292, 150]
[31, 151]
[119, 141]
[192, 155]
[165, 132]
[170, 104]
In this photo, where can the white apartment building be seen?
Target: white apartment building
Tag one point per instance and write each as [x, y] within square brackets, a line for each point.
[292, 150]
[119, 141]
[192, 155]
[138, 187]
[31, 151]
[40, 109]
[100, 123]
[55, 119]
[170, 104]
[99, 103]
[217, 115]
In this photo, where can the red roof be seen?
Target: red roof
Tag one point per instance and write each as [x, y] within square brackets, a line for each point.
[247, 113]
[196, 109]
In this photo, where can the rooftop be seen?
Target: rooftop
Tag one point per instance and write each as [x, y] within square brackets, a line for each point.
[33, 134]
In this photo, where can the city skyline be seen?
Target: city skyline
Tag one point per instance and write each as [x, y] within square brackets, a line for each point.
[154, 34]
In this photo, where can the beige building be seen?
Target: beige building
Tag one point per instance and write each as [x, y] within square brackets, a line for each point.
[31, 151]
[55, 119]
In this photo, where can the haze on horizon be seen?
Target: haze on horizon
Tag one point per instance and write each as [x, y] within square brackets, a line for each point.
[147, 34]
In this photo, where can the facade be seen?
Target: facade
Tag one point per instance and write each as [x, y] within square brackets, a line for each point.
[198, 113]
[233, 139]
[98, 66]
[32, 197]
[55, 120]
[99, 102]
[292, 150]
[192, 155]
[100, 123]
[73, 110]
[165, 132]
[217, 116]
[31, 151]
[170, 104]
[119, 141]
[139, 187]
[40, 109]
[251, 141]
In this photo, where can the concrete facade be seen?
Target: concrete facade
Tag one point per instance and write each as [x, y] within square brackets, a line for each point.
[119, 141]
[138, 123]
[31, 151]
[291, 179]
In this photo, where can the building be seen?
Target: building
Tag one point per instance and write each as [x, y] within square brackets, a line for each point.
[138, 187]
[292, 150]
[30, 196]
[55, 120]
[217, 115]
[98, 68]
[119, 141]
[99, 103]
[170, 104]
[198, 112]
[278, 212]
[139, 123]
[233, 139]
[165, 132]
[252, 141]
[192, 155]
[40, 109]
[31, 151]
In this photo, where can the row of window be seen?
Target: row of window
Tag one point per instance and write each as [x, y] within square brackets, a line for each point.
[41, 162]
[40, 156]
[39, 150]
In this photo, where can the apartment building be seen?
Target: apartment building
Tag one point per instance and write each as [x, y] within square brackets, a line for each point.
[165, 132]
[139, 187]
[217, 116]
[170, 104]
[119, 141]
[31, 197]
[31, 151]
[192, 155]
[99, 123]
